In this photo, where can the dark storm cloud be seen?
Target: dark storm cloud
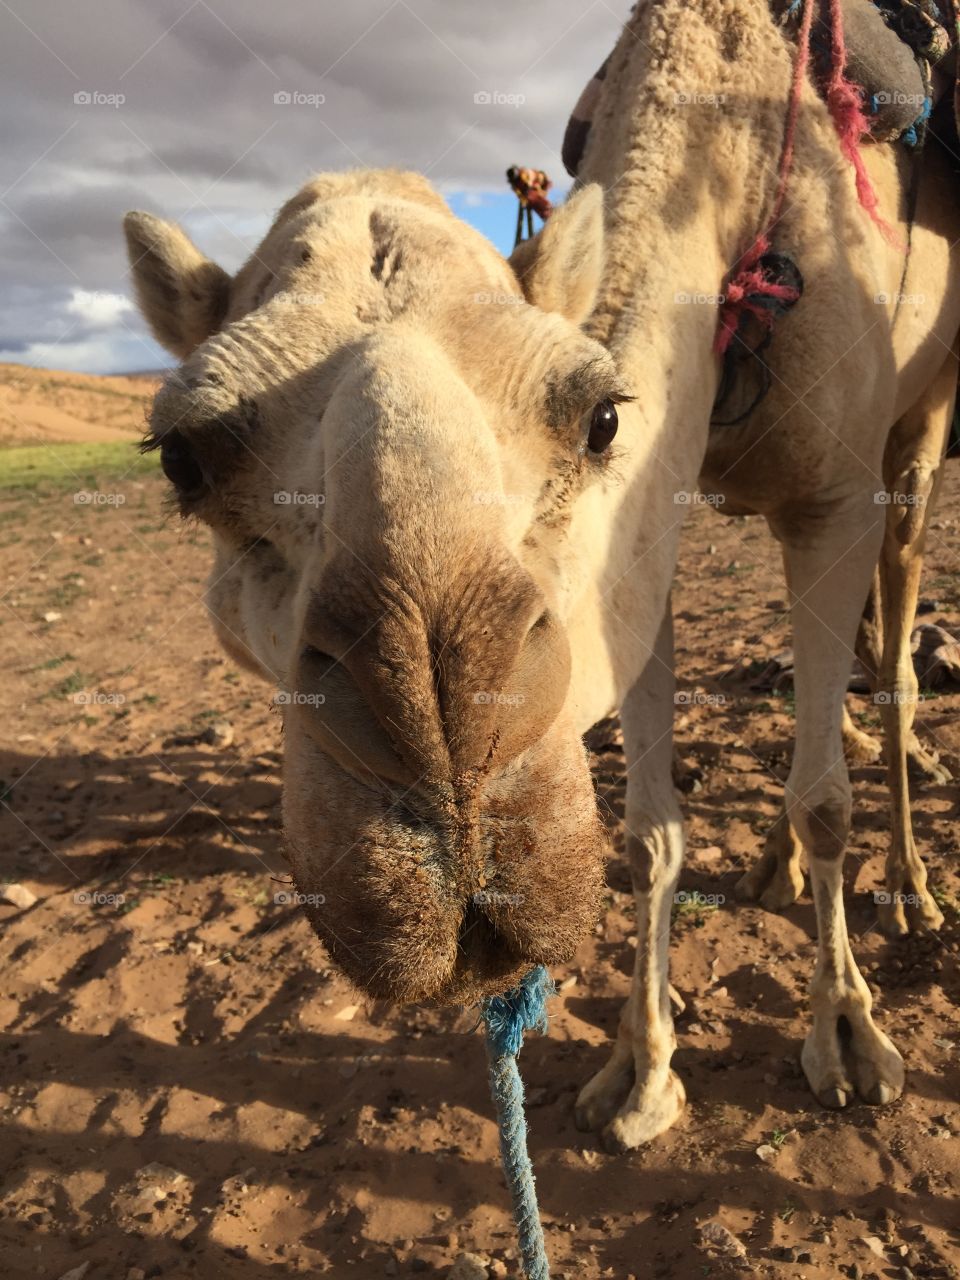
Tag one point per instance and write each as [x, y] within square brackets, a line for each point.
[213, 112]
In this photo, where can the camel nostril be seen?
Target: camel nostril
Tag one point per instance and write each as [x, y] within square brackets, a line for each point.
[541, 623]
[317, 656]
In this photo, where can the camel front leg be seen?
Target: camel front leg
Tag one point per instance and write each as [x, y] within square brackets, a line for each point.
[828, 565]
[637, 1095]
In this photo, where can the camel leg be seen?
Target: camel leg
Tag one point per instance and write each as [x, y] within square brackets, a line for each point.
[912, 472]
[636, 1095]
[776, 880]
[828, 566]
[860, 747]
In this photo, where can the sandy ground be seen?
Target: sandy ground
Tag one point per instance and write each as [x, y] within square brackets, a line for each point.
[39, 406]
[188, 1089]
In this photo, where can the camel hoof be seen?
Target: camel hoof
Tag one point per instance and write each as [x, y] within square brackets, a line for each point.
[860, 747]
[847, 1055]
[602, 1096]
[881, 1094]
[834, 1098]
[905, 911]
[645, 1115]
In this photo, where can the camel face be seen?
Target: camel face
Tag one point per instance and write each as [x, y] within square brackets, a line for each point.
[387, 441]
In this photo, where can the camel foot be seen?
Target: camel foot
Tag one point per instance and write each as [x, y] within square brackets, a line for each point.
[602, 1096]
[772, 883]
[924, 767]
[845, 1058]
[860, 747]
[907, 910]
[647, 1112]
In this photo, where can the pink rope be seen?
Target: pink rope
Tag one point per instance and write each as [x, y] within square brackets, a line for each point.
[750, 284]
[845, 103]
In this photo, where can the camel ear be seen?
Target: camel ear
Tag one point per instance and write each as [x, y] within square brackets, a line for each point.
[559, 269]
[182, 295]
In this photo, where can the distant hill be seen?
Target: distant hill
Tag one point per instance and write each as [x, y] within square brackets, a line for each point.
[41, 406]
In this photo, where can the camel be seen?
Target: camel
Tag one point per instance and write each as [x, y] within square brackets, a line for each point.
[444, 495]
[861, 396]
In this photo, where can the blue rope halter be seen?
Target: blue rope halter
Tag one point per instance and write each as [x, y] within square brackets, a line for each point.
[506, 1018]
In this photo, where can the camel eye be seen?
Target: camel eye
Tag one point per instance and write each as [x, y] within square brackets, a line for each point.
[179, 465]
[603, 426]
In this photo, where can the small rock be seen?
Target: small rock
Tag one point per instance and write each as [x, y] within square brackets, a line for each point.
[136, 1273]
[716, 1236]
[767, 1153]
[76, 1273]
[52, 616]
[468, 1266]
[155, 1172]
[18, 895]
[875, 1245]
[568, 983]
[218, 734]
[347, 1013]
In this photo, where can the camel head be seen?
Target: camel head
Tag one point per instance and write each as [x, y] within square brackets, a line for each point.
[386, 435]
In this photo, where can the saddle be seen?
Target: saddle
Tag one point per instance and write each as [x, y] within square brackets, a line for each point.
[901, 53]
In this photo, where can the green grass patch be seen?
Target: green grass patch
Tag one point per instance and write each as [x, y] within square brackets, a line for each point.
[77, 467]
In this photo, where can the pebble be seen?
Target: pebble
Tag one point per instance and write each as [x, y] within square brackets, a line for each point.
[18, 895]
[52, 616]
[218, 734]
[716, 1235]
[76, 1273]
[468, 1266]
[767, 1153]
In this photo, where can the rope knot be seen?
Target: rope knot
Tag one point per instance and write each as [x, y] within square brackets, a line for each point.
[766, 286]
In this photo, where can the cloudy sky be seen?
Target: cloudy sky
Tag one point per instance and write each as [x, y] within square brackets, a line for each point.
[212, 112]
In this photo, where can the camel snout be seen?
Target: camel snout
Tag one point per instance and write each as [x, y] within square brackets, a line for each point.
[418, 700]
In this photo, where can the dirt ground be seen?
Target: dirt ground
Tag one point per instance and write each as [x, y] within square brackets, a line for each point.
[188, 1089]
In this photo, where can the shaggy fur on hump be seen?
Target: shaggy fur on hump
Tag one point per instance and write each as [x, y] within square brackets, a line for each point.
[664, 146]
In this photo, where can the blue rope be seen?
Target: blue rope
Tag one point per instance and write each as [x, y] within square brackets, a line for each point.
[506, 1018]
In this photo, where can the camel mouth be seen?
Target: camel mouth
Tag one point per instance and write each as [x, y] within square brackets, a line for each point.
[451, 909]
